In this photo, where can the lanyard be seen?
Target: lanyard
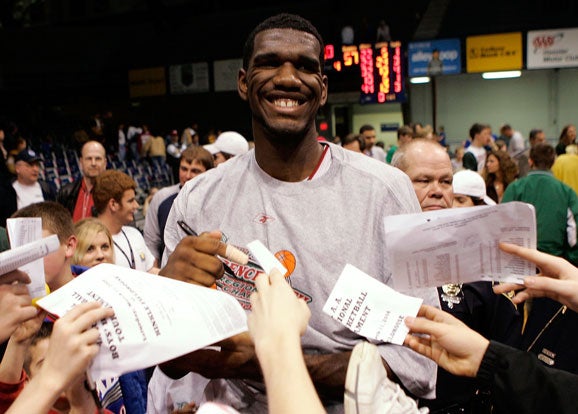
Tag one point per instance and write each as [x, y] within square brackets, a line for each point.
[130, 261]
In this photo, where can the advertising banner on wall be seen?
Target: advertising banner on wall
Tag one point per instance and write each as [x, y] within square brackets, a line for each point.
[225, 74]
[435, 57]
[147, 82]
[189, 78]
[552, 49]
[494, 52]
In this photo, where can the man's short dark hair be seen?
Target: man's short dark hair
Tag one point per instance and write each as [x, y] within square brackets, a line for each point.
[55, 218]
[477, 128]
[404, 130]
[282, 21]
[366, 127]
[110, 184]
[533, 134]
[352, 137]
[543, 156]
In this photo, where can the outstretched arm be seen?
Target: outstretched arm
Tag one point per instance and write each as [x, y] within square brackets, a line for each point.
[73, 344]
[276, 324]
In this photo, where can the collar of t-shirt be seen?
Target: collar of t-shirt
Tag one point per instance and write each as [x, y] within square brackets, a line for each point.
[323, 164]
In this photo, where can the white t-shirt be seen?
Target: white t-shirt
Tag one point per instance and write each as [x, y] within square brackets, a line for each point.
[27, 194]
[480, 154]
[129, 246]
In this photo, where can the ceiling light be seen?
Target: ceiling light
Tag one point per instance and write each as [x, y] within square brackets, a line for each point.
[420, 79]
[502, 75]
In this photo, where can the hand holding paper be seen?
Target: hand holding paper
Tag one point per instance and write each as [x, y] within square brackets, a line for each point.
[447, 341]
[15, 308]
[156, 319]
[369, 307]
[558, 279]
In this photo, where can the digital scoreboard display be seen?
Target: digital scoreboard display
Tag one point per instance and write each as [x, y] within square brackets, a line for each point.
[379, 68]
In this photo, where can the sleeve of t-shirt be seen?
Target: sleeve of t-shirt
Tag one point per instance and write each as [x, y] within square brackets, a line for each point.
[470, 162]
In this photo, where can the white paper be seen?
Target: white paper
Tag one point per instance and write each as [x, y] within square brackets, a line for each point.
[156, 318]
[370, 308]
[19, 256]
[22, 231]
[459, 245]
[266, 259]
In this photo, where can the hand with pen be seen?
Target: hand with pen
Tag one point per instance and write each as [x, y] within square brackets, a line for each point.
[195, 260]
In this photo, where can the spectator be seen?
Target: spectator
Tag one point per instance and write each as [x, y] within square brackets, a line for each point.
[228, 144]
[353, 142]
[194, 161]
[535, 137]
[368, 133]
[94, 243]
[499, 172]
[404, 135]
[565, 167]
[77, 195]
[29, 188]
[475, 156]
[567, 137]
[115, 204]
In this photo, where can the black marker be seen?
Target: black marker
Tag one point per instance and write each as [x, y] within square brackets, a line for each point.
[189, 231]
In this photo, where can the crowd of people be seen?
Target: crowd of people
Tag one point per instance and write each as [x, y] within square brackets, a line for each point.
[473, 347]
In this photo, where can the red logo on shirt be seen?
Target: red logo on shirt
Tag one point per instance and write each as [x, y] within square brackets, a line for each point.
[263, 218]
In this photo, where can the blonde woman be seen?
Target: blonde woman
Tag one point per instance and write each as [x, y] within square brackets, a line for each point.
[94, 243]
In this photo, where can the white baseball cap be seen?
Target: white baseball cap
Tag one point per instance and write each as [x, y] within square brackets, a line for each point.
[472, 184]
[229, 142]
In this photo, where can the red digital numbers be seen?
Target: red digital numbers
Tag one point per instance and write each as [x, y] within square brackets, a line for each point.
[329, 52]
[368, 83]
[397, 83]
[382, 64]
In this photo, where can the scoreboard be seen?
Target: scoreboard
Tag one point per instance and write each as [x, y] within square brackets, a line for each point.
[378, 68]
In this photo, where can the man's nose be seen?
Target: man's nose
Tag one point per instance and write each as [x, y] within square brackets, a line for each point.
[435, 189]
[287, 75]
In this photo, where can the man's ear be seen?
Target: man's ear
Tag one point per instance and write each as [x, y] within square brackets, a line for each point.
[70, 245]
[324, 90]
[113, 205]
[242, 84]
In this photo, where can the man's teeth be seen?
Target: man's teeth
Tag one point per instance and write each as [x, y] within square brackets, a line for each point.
[286, 103]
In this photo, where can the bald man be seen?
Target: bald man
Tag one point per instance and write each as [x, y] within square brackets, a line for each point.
[429, 168]
[76, 196]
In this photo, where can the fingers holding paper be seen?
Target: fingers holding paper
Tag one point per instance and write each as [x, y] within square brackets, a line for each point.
[14, 276]
[558, 279]
[446, 340]
[15, 308]
[73, 343]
